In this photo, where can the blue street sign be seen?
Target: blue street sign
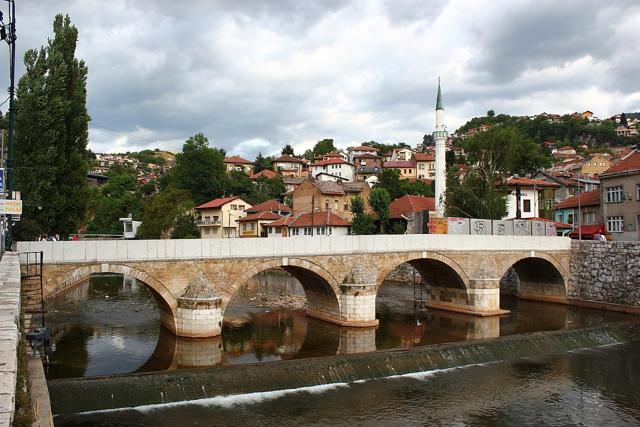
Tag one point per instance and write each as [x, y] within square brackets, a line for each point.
[1, 180]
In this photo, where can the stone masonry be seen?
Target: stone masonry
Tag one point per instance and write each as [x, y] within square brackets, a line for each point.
[9, 334]
[606, 272]
[340, 275]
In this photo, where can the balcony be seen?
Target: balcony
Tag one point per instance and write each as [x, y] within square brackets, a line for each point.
[208, 222]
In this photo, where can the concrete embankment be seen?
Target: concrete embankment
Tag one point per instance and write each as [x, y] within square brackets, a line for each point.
[81, 395]
[9, 334]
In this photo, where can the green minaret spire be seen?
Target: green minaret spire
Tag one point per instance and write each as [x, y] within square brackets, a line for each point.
[439, 105]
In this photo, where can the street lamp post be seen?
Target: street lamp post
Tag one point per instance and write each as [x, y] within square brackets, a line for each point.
[8, 34]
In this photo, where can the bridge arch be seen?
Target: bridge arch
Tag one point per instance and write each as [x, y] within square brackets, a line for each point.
[537, 276]
[321, 288]
[427, 264]
[166, 300]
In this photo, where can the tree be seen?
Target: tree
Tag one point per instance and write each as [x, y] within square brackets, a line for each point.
[261, 163]
[475, 196]
[184, 226]
[390, 180]
[450, 158]
[52, 134]
[623, 120]
[503, 150]
[379, 201]
[160, 215]
[116, 199]
[200, 169]
[491, 113]
[362, 223]
[287, 150]
[323, 147]
[308, 155]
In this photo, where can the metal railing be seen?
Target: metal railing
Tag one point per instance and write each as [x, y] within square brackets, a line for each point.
[31, 264]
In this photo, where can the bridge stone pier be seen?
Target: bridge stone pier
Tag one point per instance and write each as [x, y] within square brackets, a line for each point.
[194, 280]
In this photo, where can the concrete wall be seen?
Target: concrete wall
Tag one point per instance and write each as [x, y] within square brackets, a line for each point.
[9, 334]
[606, 272]
[157, 250]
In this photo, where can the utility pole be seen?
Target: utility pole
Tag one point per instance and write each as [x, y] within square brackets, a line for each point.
[313, 210]
[579, 212]
[8, 34]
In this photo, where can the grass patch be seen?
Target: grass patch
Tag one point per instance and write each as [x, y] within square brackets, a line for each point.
[23, 416]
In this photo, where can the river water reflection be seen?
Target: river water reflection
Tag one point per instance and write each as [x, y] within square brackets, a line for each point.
[112, 326]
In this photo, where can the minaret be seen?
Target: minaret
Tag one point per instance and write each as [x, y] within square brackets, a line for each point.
[440, 137]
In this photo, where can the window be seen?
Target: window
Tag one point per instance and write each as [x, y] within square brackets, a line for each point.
[526, 205]
[637, 191]
[234, 207]
[329, 231]
[589, 218]
[241, 207]
[570, 218]
[615, 224]
[421, 166]
[215, 219]
[326, 205]
[614, 194]
[206, 230]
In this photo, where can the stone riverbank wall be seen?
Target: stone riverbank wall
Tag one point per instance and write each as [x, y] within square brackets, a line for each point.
[605, 272]
[9, 334]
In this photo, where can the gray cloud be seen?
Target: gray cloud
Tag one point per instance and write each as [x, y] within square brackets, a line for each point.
[255, 75]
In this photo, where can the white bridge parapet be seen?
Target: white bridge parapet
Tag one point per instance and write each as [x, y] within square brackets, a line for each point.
[155, 250]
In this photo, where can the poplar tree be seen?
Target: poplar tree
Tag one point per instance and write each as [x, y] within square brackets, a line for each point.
[52, 135]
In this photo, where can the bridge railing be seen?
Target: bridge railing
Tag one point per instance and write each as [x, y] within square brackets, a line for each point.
[137, 250]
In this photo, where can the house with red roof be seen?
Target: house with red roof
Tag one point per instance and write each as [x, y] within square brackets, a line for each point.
[322, 223]
[537, 198]
[405, 210]
[273, 206]
[237, 163]
[620, 198]
[218, 218]
[425, 165]
[265, 173]
[586, 204]
[406, 168]
[256, 224]
[360, 150]
[288, 165]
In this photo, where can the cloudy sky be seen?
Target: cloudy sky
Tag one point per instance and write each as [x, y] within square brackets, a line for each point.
[255, 75]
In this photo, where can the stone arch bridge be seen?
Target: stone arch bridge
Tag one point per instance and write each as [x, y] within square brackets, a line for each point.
[194, 280]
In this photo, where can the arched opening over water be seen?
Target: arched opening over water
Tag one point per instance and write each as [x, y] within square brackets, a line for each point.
[269, 314]
[107, 323]
[534, 278]
[405, 295]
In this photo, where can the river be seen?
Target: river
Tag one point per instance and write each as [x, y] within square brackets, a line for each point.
[111, 326]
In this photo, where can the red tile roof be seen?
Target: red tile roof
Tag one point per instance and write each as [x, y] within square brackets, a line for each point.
[316, 218]
[566, 148]
[287, 158]
[270, 205]
[237, 160]
[267, 173]
[363, 148]
[588, 198]
[399, 164]
[216, 203]
[408, 204]
[424, 157]
[628, 164]
[528, 182]
[260, 216]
